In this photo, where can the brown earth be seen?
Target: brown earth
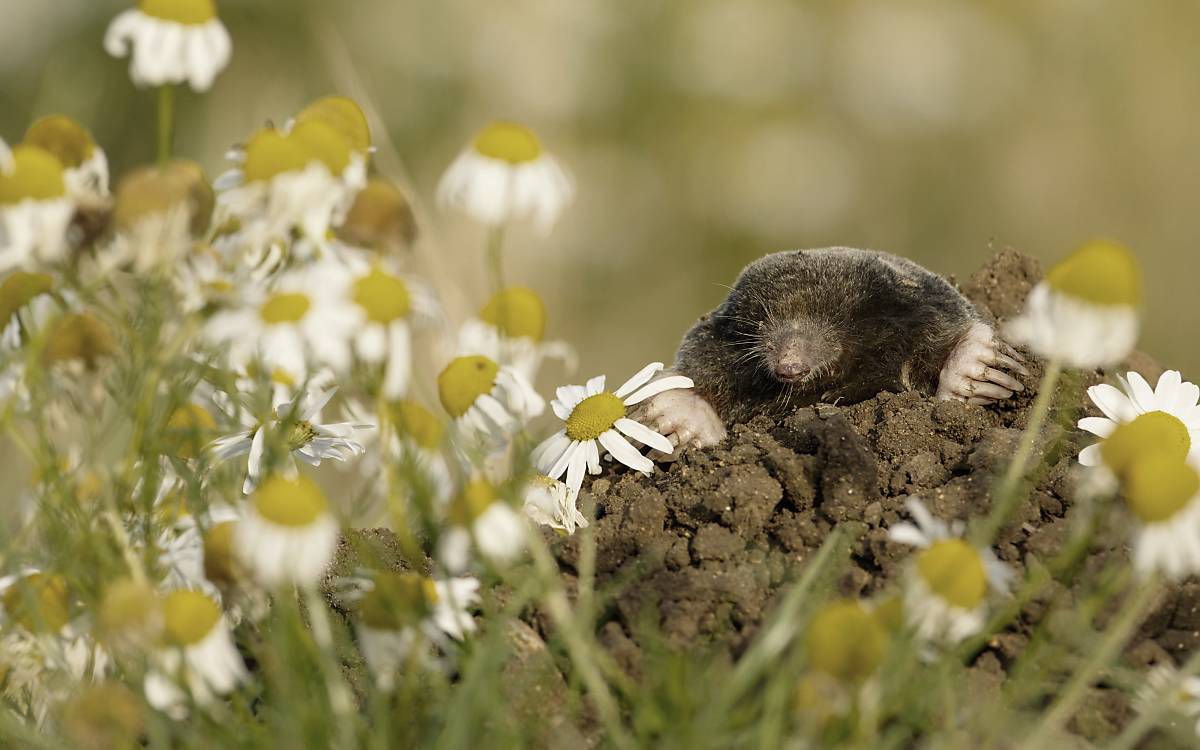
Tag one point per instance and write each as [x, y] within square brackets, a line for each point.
[698, 552]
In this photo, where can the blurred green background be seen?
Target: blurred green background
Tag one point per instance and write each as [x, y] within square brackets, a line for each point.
[705, 133]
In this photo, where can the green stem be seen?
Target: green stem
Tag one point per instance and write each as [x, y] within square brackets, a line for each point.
[166, 123]
[1008, 492]
[341, 701]
[1130, 614]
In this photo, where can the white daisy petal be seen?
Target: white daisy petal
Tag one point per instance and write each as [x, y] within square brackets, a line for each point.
[638, 380]
[622, 451]
[653, 389]
[643, 434]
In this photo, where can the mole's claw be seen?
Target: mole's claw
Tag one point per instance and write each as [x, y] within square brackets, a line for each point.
[989, 390]
[980, 401]
[685, 418]
[1002, 378]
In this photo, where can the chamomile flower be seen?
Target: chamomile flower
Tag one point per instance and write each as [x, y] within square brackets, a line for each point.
[35, 208]
[24, 301]
[389, 304]
[171, 41]
[397, 609]
[596, 417]
[296, 425]
[288, 534]
[505, 174]
[552, 503]
[303, 322]
[380, 220]
[846, 641]
[197, 654]
[481, 516]
[1164, 685]
[487, 399]
[158, 214]
[297, 181]
[1163, 493]
[1173, 403]
[510, 328]
[1085, 311]
[949, 582]
[85, 166]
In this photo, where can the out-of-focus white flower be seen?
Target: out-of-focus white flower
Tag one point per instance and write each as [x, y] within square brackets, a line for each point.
[35, 209]
[1165, 686]
[1172, 403]
[595, 417]
[479, 515]
[510, 329]
[552, 503]
[296, 426]
[304, 322]
[300, 180]
[171, 41]
[1162, 489]
[24, 302]
[505, 174]
[947, 587]
[1085, 311]
[389, 304]
[397, 608]
[159, 213]
[85, 166]
[288, 534]
[485, 398]
[198, 654]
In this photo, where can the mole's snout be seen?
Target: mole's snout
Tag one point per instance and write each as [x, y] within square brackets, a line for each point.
[794, 359]
[791, 369]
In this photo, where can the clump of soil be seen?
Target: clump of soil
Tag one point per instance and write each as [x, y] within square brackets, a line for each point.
[700, 550]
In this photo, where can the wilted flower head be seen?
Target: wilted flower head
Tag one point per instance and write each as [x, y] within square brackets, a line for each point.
[380, 219]
[158, 214]
[511, 328]
[104, 716]
[505, 174]
[487, 399]
[171, 41]
[550, 502]
[35, 208]
[947, 588]
[595, 417]
[1085, 311]
[85, 166]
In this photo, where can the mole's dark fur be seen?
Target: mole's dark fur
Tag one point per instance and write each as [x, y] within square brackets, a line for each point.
[807, 326]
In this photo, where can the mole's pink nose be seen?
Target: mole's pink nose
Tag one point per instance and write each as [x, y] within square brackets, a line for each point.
[791, 369]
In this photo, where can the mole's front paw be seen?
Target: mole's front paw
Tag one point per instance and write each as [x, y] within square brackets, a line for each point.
[975, 371]
[684, 418]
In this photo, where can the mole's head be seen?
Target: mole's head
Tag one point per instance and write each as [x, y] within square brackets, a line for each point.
[798, 351]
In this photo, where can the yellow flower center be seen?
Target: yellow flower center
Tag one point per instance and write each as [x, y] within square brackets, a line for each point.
[219, 563]
[271, 153]
[1158, 486]
[188, 430]
[38, 603]
[383, 296]
[18, 290]
[464, 380]
[299, 434]
[508, 142]
[343, 116]
[36, 175]
[953, 571]
[397, 599]
[1102, 273]
[418, 423]
[66, 139]
[189, 12]
[1152, 433]
[379, 217]
[594, 416]
[471, 503]
[78, 337]
[846, 641]
[517, 312]
[285, 307]
[290, 502]
[188, 617]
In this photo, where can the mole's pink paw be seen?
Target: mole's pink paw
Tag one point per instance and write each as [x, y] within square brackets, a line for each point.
[975, 371]
[684, 418]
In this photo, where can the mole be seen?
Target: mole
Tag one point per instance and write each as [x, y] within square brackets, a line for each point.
[833, 325]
